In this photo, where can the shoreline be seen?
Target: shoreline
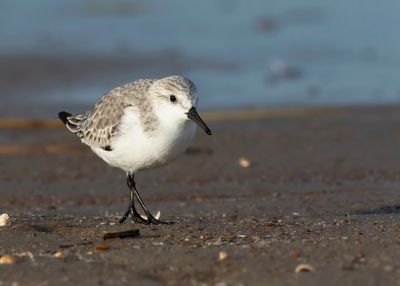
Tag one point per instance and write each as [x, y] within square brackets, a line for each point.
[224, 115]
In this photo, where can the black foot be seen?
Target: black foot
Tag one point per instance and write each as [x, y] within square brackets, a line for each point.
[135, 216]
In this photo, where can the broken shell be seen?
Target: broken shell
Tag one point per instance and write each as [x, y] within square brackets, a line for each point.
[157, 216]
[222, 255]
[26, 255]
[4, 220]
[59, 254]
[243, 162]
[8, 259]
[304, 268]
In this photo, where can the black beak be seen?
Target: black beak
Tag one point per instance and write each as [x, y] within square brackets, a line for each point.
[193, 115]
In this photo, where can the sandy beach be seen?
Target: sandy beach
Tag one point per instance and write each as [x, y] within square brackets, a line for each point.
[314, 187]
[298, 185]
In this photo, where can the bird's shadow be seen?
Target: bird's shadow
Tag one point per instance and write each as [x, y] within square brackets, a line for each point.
[393, 209]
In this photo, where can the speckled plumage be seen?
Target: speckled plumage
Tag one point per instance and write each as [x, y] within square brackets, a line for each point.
[99, 126]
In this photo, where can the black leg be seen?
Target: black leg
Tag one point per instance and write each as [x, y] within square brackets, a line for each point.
[135, 216]
[150, 218]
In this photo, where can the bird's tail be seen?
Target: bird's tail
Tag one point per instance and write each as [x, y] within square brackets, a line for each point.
[63, 115]
[72, 122]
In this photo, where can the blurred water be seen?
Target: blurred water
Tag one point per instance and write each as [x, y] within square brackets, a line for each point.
[239, 53]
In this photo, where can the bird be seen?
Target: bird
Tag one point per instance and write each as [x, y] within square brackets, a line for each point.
[140, 125]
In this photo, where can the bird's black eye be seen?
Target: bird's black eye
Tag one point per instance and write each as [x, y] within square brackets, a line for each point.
[172, 98]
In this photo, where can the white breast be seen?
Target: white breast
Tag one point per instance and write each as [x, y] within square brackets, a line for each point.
[135, 149]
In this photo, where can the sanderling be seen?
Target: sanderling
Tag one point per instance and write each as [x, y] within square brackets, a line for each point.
[140, 125]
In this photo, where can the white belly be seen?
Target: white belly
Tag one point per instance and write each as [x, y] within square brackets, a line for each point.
[135, 150]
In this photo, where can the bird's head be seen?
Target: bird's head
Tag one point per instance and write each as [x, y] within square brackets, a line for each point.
[177, 96]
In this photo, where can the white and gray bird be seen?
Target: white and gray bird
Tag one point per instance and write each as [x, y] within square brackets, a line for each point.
[140, 125]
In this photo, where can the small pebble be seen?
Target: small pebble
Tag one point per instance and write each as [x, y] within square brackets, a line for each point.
[102, 247]
[388, 268]
[304, 268]
[4, 220]
[222, 255]
[243, 162]
[295, 255]
[8, 259]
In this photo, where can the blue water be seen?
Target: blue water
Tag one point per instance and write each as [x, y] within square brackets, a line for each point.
[239, 53]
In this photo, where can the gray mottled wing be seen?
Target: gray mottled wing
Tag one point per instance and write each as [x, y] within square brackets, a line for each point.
[98, 126]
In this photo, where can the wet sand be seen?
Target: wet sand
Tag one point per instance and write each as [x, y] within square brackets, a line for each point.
[322, 189]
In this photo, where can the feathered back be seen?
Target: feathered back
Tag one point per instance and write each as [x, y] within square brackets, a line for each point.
[98, 126]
